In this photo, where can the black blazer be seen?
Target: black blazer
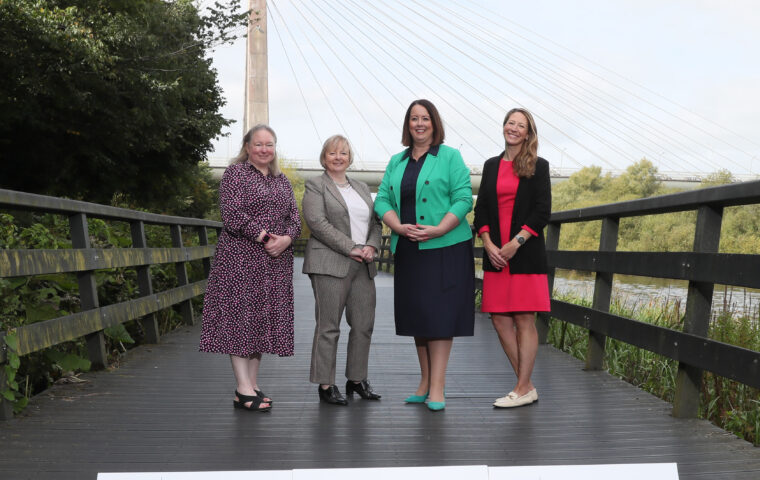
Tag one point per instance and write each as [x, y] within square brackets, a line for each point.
[533, 207]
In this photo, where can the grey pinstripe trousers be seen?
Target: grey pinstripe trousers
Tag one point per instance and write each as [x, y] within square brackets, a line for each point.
[354, 293]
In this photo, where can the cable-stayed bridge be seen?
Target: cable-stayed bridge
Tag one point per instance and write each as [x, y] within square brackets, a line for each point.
[352, 67]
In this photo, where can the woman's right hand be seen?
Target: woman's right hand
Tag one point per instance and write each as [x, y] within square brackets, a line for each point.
[495, 255]
[408, 230]
[357, 254]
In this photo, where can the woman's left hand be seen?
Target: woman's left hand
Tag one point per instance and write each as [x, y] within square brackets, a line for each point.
[277, 244]
[509, 249]
[368, 253]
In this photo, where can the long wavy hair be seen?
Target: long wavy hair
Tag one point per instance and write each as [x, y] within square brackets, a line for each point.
[524, 164]
[242, 156]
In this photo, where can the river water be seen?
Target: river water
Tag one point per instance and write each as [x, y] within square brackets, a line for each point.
[633, 291]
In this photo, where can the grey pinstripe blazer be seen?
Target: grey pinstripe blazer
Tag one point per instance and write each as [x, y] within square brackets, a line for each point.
[326, 214]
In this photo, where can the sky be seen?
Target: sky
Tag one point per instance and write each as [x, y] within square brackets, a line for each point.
[609, 82]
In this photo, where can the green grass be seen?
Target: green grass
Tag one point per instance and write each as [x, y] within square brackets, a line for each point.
[730, 405]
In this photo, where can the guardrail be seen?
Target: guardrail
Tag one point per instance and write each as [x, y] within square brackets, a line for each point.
[702, 267]
[84, 260]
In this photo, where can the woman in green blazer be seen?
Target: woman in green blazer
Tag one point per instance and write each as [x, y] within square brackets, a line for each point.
[424, 197]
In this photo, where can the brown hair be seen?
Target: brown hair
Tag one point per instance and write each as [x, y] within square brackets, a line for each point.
[332, 142]
[242, 156]
[524, 164]
[435, 119]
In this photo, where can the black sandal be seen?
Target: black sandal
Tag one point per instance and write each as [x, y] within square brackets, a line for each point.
[261, 394]
[255, 400]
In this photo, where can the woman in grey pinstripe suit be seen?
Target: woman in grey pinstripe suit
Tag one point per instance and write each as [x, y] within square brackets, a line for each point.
[339, 259]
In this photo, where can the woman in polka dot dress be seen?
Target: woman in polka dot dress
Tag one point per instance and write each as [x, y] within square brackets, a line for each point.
[248, 307]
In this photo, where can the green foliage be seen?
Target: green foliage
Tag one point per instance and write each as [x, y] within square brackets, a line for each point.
[730, 405]
[672, 232]
[68, 362]
[298, 184]
[106, 96]
[26, 300]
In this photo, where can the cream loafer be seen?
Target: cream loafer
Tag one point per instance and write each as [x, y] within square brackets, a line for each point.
[513, 400]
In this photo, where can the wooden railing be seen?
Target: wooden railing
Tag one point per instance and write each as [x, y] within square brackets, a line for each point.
[702, 267]
[84, 261]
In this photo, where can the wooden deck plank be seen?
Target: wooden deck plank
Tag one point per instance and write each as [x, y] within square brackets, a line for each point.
[167, 408]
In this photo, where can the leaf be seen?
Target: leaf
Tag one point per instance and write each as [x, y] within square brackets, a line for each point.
[16, 282]
[118, 333]
[12, 341]
[8, 395]
[39, 313]
[68, 362]
[20, 404]
[13, 361]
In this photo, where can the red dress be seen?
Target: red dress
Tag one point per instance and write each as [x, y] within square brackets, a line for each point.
[503, 291]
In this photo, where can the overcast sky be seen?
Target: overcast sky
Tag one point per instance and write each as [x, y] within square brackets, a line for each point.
[610, 82]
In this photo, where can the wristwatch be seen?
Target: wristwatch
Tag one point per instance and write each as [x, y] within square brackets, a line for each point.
[520, 239]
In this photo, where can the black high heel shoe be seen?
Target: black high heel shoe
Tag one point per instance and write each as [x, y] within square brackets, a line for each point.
[331, 395]
[363, 389]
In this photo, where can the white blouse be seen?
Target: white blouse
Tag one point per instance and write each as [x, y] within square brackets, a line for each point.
[358, 212]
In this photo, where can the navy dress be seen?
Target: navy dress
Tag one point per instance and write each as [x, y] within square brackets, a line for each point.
[434, 289]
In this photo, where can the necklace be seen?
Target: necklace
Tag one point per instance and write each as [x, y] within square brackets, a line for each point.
[342, 185]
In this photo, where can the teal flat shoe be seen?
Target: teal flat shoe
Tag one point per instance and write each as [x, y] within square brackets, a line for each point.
[436, 406]
[416, 398]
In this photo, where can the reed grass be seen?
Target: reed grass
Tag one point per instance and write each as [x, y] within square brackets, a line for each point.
[730, 405]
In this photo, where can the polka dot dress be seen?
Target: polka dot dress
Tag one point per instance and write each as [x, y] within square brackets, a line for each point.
[248, 306]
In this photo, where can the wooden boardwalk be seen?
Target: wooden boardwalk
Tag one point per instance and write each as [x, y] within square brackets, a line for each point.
[168, 408]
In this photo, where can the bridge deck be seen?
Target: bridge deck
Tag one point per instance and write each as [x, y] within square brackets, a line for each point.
[168, 408]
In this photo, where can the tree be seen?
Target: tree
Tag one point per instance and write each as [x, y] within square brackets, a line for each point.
[110, 96]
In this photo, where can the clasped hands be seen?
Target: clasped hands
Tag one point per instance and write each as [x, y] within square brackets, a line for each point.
[276, 244]
[364, 254]
[419, 233]
[500, 256]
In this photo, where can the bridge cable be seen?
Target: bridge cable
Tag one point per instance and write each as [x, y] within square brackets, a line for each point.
[600, 139]
[617, 132]
[404, 69]
[425, 54]
[295, 77]
[578, 91]
[618, 86]
[348, 96]
[319, 84]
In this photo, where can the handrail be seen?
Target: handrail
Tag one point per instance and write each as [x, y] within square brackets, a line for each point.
[702, 268]
[84, 260]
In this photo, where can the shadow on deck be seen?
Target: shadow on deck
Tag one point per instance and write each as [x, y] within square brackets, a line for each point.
[168, 408]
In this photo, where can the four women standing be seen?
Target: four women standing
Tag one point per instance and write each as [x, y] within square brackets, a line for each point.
[424, 197]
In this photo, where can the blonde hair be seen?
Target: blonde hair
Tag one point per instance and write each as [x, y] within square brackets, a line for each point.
[331, 143]
[242, 156]
[524, 164]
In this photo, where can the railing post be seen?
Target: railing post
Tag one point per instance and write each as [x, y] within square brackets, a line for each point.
[602, 294]
[203, 241]
[185, 307]
[698, 307]
[6, 407]
[552, 243]
[88, 292]
[145, 283]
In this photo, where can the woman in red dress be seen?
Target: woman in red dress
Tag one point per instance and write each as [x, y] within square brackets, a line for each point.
[513, 206]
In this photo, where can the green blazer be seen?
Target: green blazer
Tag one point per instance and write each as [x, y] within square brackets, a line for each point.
[443, 186]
